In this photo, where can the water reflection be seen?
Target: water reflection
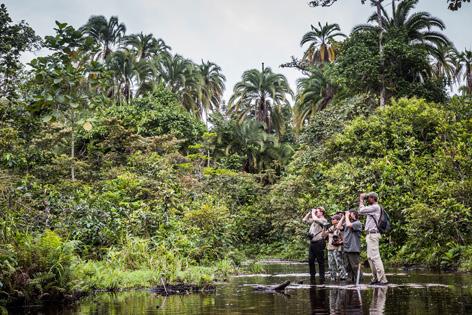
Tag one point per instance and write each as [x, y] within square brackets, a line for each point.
[347, 301]
[379, 296]
[409, 294]
[318, 301]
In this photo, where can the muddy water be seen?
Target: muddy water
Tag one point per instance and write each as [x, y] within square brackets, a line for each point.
[408, 293]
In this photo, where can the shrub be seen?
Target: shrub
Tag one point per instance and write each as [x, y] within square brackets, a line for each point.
[36, 268]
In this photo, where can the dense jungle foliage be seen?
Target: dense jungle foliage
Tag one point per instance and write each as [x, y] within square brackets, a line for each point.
[122, 167]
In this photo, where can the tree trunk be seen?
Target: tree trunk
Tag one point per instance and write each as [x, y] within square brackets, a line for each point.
[378, 3]
[72, 149]
[469, 82]
[261, 112]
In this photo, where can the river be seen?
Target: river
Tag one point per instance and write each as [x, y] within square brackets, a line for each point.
[414, 292]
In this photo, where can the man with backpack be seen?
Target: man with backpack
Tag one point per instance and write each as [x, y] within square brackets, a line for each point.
[316, 219]
[373, 227]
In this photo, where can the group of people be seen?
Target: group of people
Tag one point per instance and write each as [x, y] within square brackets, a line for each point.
[342, 238]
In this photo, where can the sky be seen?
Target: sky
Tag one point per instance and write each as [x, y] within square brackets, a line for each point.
[236, 34]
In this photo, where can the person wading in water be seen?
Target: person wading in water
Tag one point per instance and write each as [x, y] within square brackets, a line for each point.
[316, 217]
[373, 212]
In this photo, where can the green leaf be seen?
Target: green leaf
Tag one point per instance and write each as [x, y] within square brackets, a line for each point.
[60, 99]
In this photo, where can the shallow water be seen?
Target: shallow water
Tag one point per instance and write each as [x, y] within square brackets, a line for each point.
[408, 293]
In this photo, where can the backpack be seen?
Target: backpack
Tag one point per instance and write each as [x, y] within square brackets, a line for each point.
[383, 225]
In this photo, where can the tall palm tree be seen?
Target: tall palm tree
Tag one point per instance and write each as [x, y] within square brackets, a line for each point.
[108, 33]
[213, 85]
[314, 94]
[181, 76]
[465, 70]
[417, 26]
[145, 46]
[262, 95]
[444, 64]
[321, 39]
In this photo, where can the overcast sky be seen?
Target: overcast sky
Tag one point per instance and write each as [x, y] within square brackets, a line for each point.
[236, 34]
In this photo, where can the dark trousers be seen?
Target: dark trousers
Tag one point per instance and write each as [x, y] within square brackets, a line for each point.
[352, 264]
[316, 253]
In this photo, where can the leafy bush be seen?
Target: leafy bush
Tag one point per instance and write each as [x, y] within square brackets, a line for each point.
[141, 263]
[37, 267]
[334, 118]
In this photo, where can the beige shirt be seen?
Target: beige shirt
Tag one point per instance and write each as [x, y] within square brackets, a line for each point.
[316, 229]
[371, 212]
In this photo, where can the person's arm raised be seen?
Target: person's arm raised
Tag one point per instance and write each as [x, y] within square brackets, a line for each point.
[339, 226]
[308, 219]
[348, 220]
[361, 200]
[365, 210]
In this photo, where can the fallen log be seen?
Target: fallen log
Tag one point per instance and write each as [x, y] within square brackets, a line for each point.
[275, 287]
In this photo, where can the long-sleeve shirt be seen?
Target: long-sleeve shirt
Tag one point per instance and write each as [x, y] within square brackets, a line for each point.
[371, 212]
[316, 228]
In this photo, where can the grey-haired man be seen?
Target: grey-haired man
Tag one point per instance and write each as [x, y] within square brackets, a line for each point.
[373, 211]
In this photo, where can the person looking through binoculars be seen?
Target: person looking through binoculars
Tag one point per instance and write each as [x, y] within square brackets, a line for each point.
[316, 234]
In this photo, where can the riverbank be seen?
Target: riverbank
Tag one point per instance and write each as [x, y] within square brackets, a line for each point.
[45, 269]
[194, 279]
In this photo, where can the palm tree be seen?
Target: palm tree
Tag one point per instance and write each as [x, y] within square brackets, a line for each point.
[145, 46]
[465, 70]
[262, 151]
[416, 26]
[314, 94]
[262, 95]
[213, 85]
[121, 63]
[145, 77]
[321, 41]
[249, 138]
[107, 33]
[181, 76]
[444, 64]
